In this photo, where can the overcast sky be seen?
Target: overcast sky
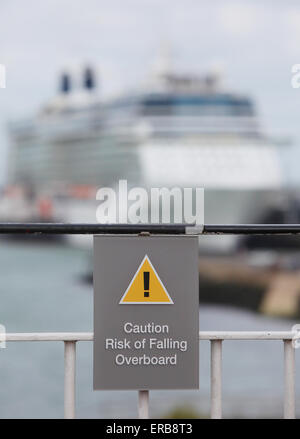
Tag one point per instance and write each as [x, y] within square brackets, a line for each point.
[255, 42]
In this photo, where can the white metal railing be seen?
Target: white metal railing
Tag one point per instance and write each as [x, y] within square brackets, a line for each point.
[215, 337]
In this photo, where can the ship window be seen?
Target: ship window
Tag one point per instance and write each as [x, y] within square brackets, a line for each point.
[196, 106]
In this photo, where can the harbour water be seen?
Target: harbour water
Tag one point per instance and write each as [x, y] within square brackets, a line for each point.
[42, 290]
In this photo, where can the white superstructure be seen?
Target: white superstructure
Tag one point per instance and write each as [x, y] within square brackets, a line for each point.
[175, 130]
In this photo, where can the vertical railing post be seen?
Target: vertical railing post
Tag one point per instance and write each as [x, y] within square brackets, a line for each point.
[289, 380]
[216, 379]
[143, 404]
[69, 384]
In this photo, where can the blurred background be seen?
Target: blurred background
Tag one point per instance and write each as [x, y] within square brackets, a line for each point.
[193, 94]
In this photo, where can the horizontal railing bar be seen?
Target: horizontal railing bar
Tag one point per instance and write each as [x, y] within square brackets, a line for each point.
[90, 229]
[162, 229]
[246, 335]
[203, 335]
[49, 336]
[251, 229]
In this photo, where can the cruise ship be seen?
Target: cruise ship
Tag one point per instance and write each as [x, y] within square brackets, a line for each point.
[175, 129]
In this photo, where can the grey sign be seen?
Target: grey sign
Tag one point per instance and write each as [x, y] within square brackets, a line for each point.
[146, 312]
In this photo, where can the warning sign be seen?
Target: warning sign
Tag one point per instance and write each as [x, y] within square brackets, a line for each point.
[146, 287]
[146, 347]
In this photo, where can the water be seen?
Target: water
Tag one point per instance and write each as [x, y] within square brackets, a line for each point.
[41, 290]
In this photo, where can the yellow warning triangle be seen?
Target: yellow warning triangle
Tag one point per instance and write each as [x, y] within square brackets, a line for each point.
[146, 287]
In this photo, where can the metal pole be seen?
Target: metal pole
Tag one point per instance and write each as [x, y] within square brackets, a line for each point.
[90, 229]
[251, 229]
[216, 379]
[174, 229]
[69, 390]
[143, 404]
[289, 380]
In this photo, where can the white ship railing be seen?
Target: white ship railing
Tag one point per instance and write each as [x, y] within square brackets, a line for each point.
[216, 338]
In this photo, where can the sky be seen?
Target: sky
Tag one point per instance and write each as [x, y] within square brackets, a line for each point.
[254, 43]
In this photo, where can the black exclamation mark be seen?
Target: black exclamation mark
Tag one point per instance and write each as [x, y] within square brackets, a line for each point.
[146, 283]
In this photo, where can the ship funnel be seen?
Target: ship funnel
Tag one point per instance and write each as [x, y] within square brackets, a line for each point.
[65, 83]
[89, 80]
